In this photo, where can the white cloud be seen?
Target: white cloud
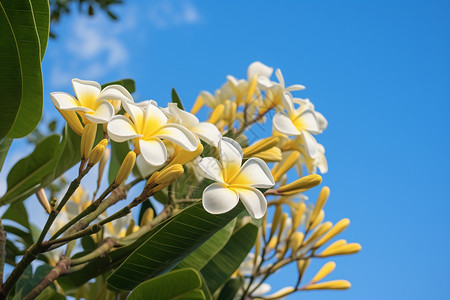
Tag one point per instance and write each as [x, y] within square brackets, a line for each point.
[171, 13]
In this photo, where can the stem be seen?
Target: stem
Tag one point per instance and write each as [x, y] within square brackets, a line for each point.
[100, 251]
[91, 208]
[61, 268]
[2, 250]
[88, 231]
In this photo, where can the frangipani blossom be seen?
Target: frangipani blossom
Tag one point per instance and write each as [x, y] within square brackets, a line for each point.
[298, 122]
[204, 130]
[146, 127]
[91, 102]
[234, 182]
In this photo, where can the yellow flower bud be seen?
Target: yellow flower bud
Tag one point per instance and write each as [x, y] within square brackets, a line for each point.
[336, 244]
[302, 265]
[151, 180]
[321, 200]
[169, 174]
[318, 219]
[338, 228]
[324, 271]
[281, 293]
[342, 250]
[96, 155]
[102, 165]
[232, 112]
[72, 120]
[329, 285]
[251, 89]
[257, 245]
[297, 215]
[103, 142]
[197, 105]
[42, 197]
[125, 168]
[270, 155]
[87, 139]
[272, 243]
[276, 219]
[286, 165]
[259, 146]
[148, 216]
[283, 220]
[183, 157]
[296, 241]
[217, 114]
[318, 232]
[303, 183]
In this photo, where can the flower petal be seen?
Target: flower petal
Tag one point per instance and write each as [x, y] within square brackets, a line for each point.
[280, 77]
[230, 153]
[186, 119]
[295, 87]
[307, 121]
[259, 69]
[154, 117]
[86, 91]
[211, 168]
[115, 92]
[310, 143]
[283, 124]
[286, 100]
[179, 135]
[64, 101]
[103, 113]
[217, 199]
[136, 114]
[208, 132]
[144, 168]
[254, 172]
[121, 129]
[153, 151]
[253, 200]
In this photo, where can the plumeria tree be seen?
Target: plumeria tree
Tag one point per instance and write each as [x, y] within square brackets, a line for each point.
[215, 214]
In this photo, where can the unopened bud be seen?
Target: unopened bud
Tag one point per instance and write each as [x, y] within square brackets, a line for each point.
[324, 271]
[338, 228]
[342, 250]
[42, 197]
[251, 89]
[102, 165]
[317, 220]
[87, 139]
[125, 168]
[302, 184]
[169, 174]
[285, 166]
[329, 285]
[96, 155]
[72, 120]
[183, 156]
[270, 155]
[198, 104]
[296, 241]
[281, 293]
[321, 200]
[319, 232]
[148, 216]
[217, 114]
[276, 219]
[260, 146]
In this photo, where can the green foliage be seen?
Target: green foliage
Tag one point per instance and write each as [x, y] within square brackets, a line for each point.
[22, 64]
[17, 213]
[230, 289]
[174, 240]
[176, 99]
[4, 147]
[41, 12]
[178, 284]
[126, 83]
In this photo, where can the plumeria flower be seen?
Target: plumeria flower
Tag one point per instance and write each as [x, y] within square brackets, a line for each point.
[91, 102]
[204, 130]
[298, 122]
[146, 126]
[234, 182]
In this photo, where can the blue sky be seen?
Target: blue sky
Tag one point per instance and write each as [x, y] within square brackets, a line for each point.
[378, 70]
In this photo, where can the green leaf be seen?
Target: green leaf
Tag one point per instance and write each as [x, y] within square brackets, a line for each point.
[4, 148]
[25, 236]
[41, 13]
[200, 257]
[26, 175]
[20, 17]
[176, 99]
[178, 284]
[10, 75]
[230, 289]
[118, 153]
[126, 83]
[223, 265]
[50, 294]
[17, 213]
[172, 241]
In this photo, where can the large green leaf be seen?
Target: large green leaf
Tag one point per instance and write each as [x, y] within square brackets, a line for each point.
[17, 213]
[200, 257]
[10, 75]
[230, 289]
[222, 266]
[41, 13]
[26, 175]
[4, 147]
[21, 20]
[172, 242]
[178, 284]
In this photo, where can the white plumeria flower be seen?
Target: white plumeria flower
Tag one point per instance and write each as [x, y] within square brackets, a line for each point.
[234, 182]
[278, 87]
[301, 121]
[91, 102]
[204, 130]
[146, 127]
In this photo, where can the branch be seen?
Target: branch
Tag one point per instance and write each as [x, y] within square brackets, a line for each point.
[2, 250]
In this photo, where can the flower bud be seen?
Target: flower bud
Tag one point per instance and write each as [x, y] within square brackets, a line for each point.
[217, 114]
[297, 215]
[72, 120]
[286, 165]
[260, 146]
[318, 219]
[42, 197]
[169, 174]
[87, 139]
[329, 285]
[318, 232]
[148, 216]
[96, 155]
[102, 165]
[342, 250]
[198, 104]
[338, 228]
[270, 155]
[125, 168]
[302, 265]
[183, 156]
[251, 89]
[324, 271]
[276, 219]
[321, 200]
[296, 241]
[303, 183]
[281, 293]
